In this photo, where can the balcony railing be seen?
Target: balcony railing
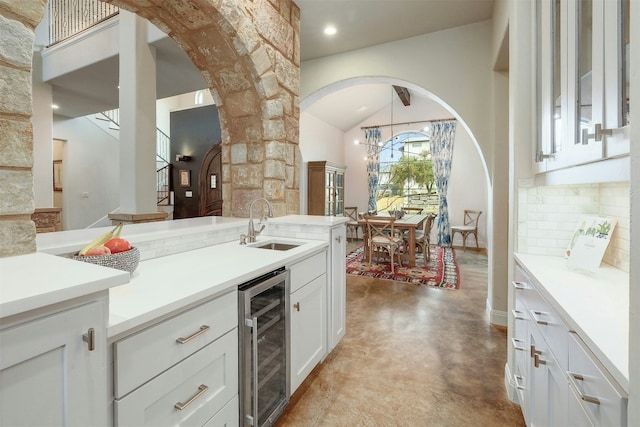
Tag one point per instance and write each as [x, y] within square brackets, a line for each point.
[70, 17]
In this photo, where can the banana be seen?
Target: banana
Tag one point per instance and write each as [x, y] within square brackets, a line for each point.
[117, 230]
[101, 239]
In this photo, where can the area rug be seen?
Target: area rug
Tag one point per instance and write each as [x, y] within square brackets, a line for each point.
[441, 271]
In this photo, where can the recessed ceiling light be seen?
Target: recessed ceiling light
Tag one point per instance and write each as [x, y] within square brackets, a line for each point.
[330, 30]
[55, 106]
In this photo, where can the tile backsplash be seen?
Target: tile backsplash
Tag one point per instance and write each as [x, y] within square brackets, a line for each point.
[548, 216]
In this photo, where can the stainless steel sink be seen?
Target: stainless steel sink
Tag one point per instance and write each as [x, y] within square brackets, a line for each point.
[276, 246]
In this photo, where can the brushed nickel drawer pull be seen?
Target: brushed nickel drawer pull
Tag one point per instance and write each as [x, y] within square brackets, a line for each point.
[573, 381]
[201, 390]
[536, 319]
[518, 381]
[515, 342]
[202, 330]
[297, 306]
[517, 315]
[520, 285]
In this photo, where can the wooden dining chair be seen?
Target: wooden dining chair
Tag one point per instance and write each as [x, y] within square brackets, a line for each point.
[411, 210]
[381, 235]
[423, 237]
[470, 227]
[352, 225]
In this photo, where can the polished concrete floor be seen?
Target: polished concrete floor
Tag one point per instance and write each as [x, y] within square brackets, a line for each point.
[412, 356]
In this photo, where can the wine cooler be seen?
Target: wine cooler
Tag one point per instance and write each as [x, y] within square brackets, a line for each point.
[264, 347]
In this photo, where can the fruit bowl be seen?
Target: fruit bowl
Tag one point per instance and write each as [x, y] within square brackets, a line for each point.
[127, 260]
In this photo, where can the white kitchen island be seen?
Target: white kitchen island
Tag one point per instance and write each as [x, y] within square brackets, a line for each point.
[189, 272]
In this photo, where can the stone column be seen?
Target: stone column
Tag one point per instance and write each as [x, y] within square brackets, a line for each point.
[137, 121]
[17, 231]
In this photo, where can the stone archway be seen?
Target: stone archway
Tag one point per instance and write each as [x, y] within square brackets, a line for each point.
[247, 52]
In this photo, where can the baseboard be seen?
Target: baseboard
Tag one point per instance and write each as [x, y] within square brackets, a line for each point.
[510, 385]
[497, 317]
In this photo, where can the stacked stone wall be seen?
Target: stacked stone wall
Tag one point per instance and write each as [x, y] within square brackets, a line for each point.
[17, 23]
[249, 54]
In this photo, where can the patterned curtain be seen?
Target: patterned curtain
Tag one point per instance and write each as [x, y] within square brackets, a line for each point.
[442, 136]
[372, 138]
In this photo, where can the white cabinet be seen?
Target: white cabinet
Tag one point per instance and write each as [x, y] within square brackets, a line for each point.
[180, 371]
[48, 373]
[583, 72]
[337, 286]
[539, 371]
[559, 380]
[598, 396]
[308, 316]
[548, 396]
[227, 417]
[190, 393]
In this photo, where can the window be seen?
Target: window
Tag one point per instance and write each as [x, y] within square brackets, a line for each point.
[406, 175]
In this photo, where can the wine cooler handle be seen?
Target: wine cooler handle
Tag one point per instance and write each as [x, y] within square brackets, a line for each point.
[254, 345]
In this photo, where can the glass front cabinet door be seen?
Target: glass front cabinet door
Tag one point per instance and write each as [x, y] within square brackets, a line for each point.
[325, 189]
[582, 70]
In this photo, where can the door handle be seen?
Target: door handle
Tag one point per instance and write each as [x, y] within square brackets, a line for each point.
[90, 339]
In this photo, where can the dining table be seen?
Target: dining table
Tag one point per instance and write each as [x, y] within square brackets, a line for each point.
[409, 223]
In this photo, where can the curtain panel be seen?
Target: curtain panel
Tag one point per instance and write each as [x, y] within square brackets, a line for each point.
[372, 139]
[442, 138]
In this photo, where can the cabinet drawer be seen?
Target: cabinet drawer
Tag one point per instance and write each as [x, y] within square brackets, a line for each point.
[142, 356]
[600, 396]
[227, 416]
[307, 270]
[543, 317]
[202, 384]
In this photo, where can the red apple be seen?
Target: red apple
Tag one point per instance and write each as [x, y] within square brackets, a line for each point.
[98, 250]
[117, 244]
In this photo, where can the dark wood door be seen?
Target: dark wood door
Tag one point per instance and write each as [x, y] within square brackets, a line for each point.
[211, 183]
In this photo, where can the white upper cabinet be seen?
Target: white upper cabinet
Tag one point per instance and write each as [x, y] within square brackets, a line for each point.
[582, 82]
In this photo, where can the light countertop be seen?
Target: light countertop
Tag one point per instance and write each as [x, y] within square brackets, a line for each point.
[595, 306]
[162, 285]
[329, 221]
[32, 281]
[72, 240]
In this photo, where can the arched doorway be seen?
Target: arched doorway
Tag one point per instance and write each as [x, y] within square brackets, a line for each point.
[237, 57]
[468, 163]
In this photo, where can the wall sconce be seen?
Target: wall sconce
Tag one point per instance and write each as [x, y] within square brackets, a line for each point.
[182, 158]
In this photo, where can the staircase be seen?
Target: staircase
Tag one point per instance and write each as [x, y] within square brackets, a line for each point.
[163, 142]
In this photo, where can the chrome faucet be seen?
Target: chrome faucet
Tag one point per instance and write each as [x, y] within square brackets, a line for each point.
[252, 233]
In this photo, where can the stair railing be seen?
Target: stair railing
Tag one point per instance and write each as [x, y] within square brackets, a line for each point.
[163, 144]
[163, 184]
[70, 17]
